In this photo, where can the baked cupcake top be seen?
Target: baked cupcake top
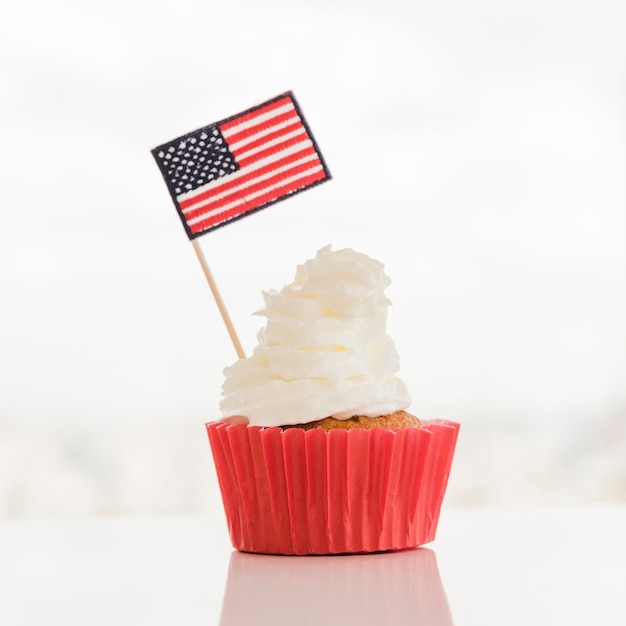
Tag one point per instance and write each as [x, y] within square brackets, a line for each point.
[324, 350]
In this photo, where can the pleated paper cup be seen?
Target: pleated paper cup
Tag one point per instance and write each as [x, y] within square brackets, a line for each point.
[332, 492]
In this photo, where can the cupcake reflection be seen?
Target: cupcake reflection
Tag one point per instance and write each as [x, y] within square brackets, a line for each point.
[391, 588]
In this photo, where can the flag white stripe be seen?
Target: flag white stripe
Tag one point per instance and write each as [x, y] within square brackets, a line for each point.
[224, 208]
[265, 131]
[262, 117]
[269, 144]
[247, 170]
[254, 181]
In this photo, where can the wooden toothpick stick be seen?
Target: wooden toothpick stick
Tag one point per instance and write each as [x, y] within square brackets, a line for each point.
[218, 299]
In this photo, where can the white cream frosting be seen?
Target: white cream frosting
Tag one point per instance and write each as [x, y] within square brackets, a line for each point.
[324, 350]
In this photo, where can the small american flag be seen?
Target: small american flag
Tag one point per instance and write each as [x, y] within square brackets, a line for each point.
[240, 165]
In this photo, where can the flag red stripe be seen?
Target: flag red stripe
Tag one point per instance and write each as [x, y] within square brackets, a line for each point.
[258, 202]
[250, 189]
[263, 154]
[250, 132]
[250, 116]
[220, 188]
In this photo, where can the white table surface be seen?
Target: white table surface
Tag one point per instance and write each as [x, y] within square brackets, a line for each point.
[512, 566]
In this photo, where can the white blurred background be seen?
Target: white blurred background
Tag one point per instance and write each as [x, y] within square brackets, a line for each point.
[478, 149]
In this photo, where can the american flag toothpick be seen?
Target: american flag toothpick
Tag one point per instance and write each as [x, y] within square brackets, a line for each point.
[227, 170]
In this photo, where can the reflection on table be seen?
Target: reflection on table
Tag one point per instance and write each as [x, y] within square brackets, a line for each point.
[385, 588]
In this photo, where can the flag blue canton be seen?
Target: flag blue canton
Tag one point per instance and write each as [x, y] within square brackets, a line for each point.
[195, 160]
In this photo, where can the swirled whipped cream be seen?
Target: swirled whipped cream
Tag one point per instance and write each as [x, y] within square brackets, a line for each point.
[324, 350]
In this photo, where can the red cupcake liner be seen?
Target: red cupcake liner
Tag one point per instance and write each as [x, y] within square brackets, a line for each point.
[332, 492]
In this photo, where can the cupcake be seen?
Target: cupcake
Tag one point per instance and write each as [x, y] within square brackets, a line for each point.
[315, 451]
